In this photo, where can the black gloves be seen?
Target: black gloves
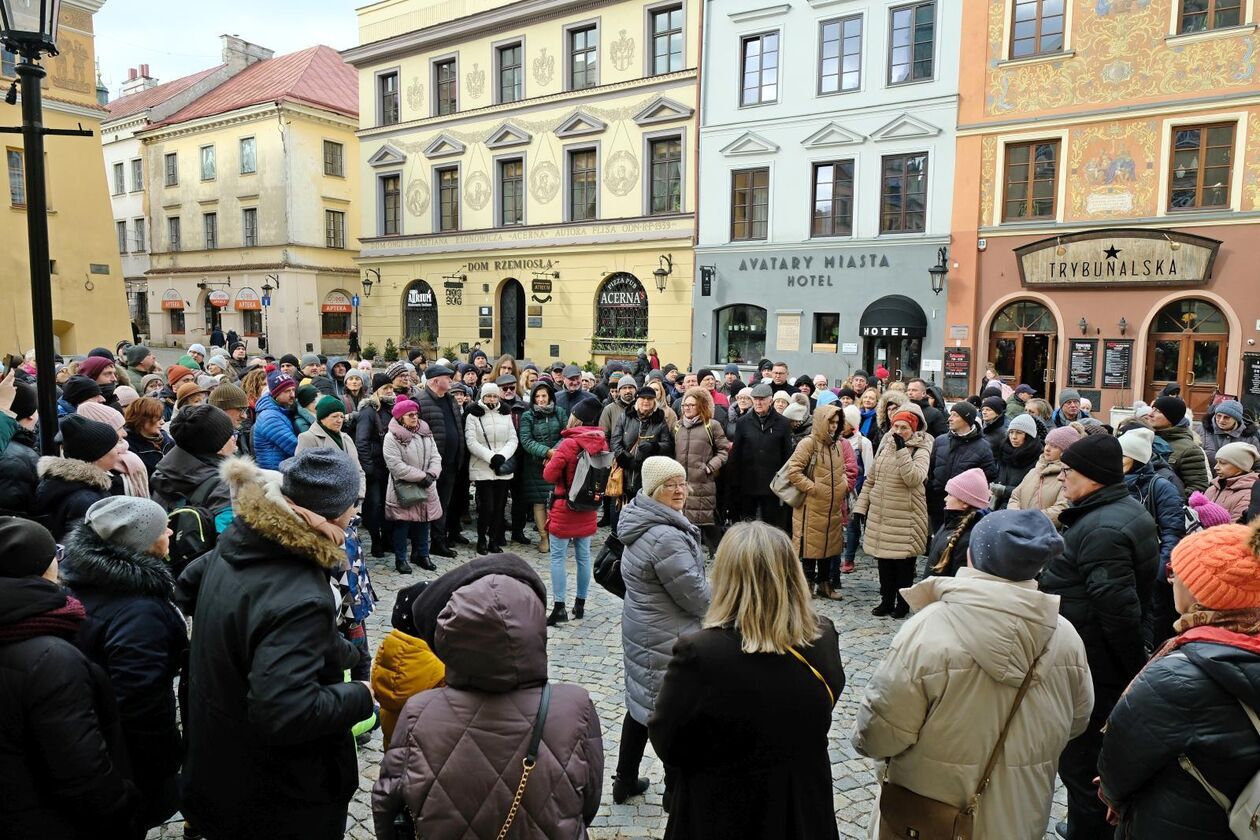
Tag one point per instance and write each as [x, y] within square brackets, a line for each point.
[427, 481]
[476, 409]
[625, 460]
[901, 444]
[497, 461]
[857, 518]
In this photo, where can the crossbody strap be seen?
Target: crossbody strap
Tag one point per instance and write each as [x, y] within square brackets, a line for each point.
[530, 759]
[1217, 795]
[997, 748]
[830, 694]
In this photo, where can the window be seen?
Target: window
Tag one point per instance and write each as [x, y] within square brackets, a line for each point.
[210, 225]
[334, 229]
[621, 313]
[667, 40]
[387, 98]
[448, 198]
[171, 165]
[122, 236]
[760, 69]
[833, 199]
[666, 189]
[511, 192]
[446, 83]
[172, 233]
[177, 322]
[826, 331]
[249, 156]
[583, 185]
[249, 227]
[840, 55]
[583, 58]
[208, 170]
[1037, 28]
[137, 175]
[1200, 168]
[511, 77]
[334, 159]
[750, 203]
[17, 178]
[1202, 15]
[741, 334]
[139, 226]
[1031, 187]
[251, 322]
[120, 180]
[391, 207]
[903, 201]
[912, 43]
[8, 60]
[334, 324]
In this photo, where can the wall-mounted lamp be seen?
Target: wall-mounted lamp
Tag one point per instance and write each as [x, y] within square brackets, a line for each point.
[1083, 324]
[1059, 249]
[1123, 325]
[267, 287]
[368, 282]
[665, 269]
[940, 271]
[459, 277]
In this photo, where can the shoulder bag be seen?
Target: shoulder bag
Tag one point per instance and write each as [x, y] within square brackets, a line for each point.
[508, 466]
[785, 489]
[906, 815]
[615, 487]
[607, 568]
[410, 493]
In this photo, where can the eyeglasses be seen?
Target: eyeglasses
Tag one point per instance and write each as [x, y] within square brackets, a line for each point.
[61, 552]
[675, 486]
[508, 388]
[1066, 470]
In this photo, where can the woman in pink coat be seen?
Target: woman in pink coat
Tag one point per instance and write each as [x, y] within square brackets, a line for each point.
[411, 456]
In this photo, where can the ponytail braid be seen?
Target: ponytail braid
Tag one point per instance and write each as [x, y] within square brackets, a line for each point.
[963, 524]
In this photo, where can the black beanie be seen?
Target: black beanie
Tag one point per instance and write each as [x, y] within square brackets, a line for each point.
[289, 359]
[26, 548]
[1097, 457]
[1171, 407]
[25, 401]
[201, 429]
[965, 410]
[401, 619]
[996, 403]
[86, 440]
[379, 381]
[587, 410]
[102, 352]
[79, 389]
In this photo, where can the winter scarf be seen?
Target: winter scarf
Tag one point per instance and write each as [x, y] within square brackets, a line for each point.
[1236, 628]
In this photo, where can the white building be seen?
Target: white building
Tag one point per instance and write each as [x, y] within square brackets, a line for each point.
[826, 166]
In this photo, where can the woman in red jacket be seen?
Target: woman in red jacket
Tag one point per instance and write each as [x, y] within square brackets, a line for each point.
[565, 525]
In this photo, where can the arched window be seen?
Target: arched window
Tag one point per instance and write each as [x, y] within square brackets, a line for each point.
[621, 313]
[740, 334]
[420, 314]
[1024, 316]
[1023, 344]
[1187, 346]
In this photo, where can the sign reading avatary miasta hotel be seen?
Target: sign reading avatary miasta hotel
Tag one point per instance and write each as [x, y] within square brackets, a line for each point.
[1118, 256]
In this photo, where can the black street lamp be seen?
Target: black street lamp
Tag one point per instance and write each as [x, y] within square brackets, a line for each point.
[29, 29]
[940, 271]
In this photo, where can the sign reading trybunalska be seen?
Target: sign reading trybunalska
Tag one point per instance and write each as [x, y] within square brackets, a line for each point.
[1116, 257]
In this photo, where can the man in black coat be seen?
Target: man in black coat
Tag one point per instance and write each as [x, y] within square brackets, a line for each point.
[369, 438]
[570, 392]
[762, 444]
[917, 391]
[1104, 580]
[269, 748]
[639, 435]
[19, 461]
[960, 449]
[446, 421]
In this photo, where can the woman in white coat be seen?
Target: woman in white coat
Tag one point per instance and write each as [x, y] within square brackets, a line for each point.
[491, 438]
[935, 706]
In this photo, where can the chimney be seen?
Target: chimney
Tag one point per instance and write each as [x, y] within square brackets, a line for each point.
[239, 53]
[138, 79]
[131, 74]
[144, 71]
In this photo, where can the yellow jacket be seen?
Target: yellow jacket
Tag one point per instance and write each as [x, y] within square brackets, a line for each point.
[404, 666]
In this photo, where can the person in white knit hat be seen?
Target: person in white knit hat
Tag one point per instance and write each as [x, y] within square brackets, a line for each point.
[1236, 487]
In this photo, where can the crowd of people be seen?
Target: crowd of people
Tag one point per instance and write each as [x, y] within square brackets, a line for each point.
[1087, 604]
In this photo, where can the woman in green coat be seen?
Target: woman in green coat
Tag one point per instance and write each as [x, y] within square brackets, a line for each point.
[540, 431]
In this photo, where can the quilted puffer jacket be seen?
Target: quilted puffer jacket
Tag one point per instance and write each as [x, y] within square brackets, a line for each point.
[702, 450]
[455, 758]
[893, 500]
[1235, 494]
[1041, 490]
[275, 436]
[666, 594]
[1187, 459]
[818, 525]
[539, 433]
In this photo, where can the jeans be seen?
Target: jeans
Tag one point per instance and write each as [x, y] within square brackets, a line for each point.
[582, 551]
[419, 534]
[852, 536]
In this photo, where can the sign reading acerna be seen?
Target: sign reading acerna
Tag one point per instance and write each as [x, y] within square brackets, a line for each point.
[1118, 256]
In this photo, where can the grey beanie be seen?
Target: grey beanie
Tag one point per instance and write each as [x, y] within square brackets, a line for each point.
[1231, 408]
[127, 521]
[1014, 544]
[310, 359]
[1024, 423]
[1068, 395]
[322, 480]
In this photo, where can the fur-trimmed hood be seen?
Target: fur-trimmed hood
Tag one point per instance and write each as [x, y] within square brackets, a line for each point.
[93, 563]
[259, 504]
[74, 471]
[885, 399]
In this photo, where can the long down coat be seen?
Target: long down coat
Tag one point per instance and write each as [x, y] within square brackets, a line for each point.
[411, 456]
[818, 525]
[702, 450]
[893, 499]
[1041, 490]
[539, 434]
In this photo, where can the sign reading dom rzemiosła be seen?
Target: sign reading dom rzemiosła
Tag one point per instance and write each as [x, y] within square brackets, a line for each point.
[1117, 257]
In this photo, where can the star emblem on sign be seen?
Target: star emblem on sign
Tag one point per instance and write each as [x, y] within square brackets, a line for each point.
[1112, 252]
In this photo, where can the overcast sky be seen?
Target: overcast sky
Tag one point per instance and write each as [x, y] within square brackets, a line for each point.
[177, 43]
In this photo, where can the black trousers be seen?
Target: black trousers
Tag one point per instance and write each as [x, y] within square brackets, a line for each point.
[895, 574]
[522, 511]
[445, 486]
[1078, 765]
[491, 499]
[767, 509]
[454, 518]
[374, 510]
[634, 738]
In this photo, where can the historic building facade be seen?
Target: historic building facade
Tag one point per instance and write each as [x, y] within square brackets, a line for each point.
[1107, 211]
[89, 302]
[528, 174]
[827, 160]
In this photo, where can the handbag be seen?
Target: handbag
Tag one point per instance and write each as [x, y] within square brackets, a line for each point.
[410, 493]
[906, 815]
[607, 568]
[785, 489]
[615, 487]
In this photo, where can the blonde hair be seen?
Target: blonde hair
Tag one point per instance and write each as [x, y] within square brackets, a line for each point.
[254, 383]
[760, 589]
[704, 402]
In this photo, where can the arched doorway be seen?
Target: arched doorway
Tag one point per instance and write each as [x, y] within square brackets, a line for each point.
[893, 329]
[1188, 344]
[1023, 340]
[512, 318]
[211, 306]
[420, 314]
[621, 315]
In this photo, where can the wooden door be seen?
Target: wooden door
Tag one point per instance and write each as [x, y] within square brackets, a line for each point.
[1194, 361]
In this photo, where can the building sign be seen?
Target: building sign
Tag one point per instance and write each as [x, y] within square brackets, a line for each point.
[813, 270]
[247, 299]
[172, 299]
[336, 302]
[957, 365]
[510, 265]
[1250, 396]
[541, 286]
[219, 298]
[419, 298]
[894, 332]
[1083, 359]
[1118, 257]
[787, 332]
[622, 291]
[1117, 363]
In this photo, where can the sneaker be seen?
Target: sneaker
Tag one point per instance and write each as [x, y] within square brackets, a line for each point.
[847, 567]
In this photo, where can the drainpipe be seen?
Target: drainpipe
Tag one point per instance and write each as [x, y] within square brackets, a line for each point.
[695, 157]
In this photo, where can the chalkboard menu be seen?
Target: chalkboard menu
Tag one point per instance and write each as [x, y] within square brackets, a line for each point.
[957, 372]
[1084, 360]
[1117, 363]
[1251, 384]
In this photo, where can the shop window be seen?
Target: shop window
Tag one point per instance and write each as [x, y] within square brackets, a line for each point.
[621, 314]
[177, 322]
[1202, 15]
[1037, 27]
[741, 334]
[759, 69]
[840, 55]
[833, 199]
[1201, 166]
[912, 43]
[750, 204]
[252, 322]
[1031, 187]
[903, 201]
[334, 324]
[826, 332]
[1024, 316]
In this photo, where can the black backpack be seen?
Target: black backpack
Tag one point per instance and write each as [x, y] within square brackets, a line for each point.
[590, 477]
[192, 527]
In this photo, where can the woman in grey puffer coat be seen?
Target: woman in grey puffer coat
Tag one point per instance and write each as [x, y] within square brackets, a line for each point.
[666, 597]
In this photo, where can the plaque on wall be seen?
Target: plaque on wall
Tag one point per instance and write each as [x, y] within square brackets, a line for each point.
[1250, 396]
[957, 365]
[555, 351]
[1094, 396]
[1082, 362]
[788, 332]
[1117, 363]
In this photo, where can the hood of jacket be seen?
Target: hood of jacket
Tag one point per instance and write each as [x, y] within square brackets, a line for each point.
[180, 472]
[886, 401]
[72, 471]
[93, 563]
[26, 597]
[822, 417]
[1002, 624]
[1233, 668]
[492, 636]
[404, 435]
[259, 505]
[590, 438]
[542, 385]
[644, 513]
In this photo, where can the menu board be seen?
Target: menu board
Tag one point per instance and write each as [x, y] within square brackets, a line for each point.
[1117, 363]
[957, 365]
[1251, 384]
[1083, 361]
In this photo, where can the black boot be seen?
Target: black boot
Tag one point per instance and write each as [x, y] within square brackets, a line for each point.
[519, 538]
[482, 548]
[378, 544]
[423, 562]
[624, 789]
[442, 550]
[579, 607]
[558, 615]
[402, 567]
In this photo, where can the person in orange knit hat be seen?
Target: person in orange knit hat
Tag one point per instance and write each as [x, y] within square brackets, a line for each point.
[1189, 721]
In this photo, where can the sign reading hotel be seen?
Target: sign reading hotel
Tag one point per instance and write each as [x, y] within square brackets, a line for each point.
[1118, 256]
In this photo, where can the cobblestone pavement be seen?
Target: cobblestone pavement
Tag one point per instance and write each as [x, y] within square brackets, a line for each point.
[588, 652]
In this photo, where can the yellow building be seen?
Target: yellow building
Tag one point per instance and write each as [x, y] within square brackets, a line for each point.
[528, 167]
[250, 191]
[89, 303]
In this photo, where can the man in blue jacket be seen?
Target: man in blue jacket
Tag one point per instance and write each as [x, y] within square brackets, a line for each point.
[275, 435]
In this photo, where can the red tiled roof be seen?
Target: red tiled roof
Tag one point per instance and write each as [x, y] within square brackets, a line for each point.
[135, 103]
[316, 76]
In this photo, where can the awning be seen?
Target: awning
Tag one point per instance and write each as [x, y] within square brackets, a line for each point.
[894, 316]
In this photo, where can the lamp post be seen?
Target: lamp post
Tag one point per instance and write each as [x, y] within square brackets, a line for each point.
[267, 290]
[29, 29]
[367, 284]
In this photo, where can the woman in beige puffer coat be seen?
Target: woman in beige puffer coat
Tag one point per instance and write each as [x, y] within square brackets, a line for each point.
[1041, 488]
[823, 467]
[700, 445]
[894, 502]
